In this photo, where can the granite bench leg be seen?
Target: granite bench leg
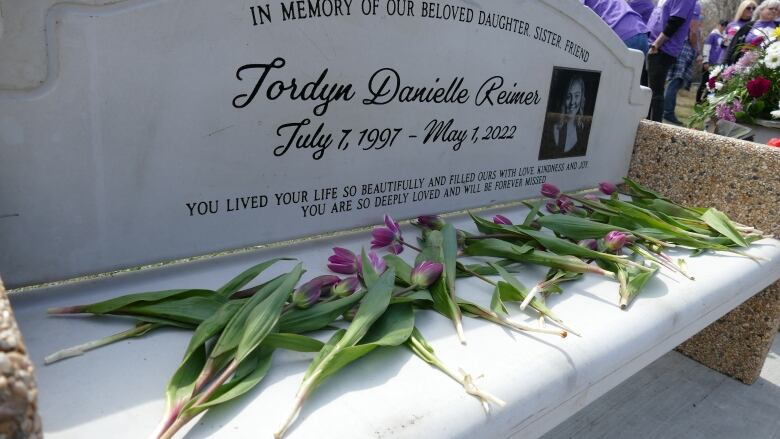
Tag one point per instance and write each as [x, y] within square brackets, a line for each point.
[18, 391]
[741, 179]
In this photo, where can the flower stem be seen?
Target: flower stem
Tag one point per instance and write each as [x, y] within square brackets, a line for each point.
[475, 274]
[76, 309]
[168, 420]
[463, 378]
[530, 296]
[94, 344]
[411, 246]
[404, 291]
[182, 420]
[293, 415]
[494, 235]
[623, 279]
[663, 260]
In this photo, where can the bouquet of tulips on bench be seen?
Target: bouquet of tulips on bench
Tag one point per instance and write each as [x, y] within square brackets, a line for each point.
[236, 328]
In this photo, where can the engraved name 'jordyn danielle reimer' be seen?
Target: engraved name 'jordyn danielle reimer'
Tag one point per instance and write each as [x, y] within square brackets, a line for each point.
[384, 86]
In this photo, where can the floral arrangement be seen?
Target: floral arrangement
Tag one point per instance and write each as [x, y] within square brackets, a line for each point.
[236, 328]
[747, 90]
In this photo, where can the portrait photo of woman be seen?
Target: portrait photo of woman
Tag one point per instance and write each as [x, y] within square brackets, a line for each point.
[569, 114]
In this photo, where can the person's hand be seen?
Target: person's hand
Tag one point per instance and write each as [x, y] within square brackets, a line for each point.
[653, 49]
[698, 59]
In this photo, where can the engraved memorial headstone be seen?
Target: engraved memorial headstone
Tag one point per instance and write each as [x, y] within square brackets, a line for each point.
[166, 129]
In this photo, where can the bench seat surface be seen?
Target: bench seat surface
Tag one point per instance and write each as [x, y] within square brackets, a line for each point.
[117, 391]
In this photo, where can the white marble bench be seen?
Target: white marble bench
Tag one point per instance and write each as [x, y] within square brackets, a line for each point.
[118, 390]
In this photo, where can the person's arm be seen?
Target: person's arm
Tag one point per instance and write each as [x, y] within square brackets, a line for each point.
[705, 55]
[693, 34]
[693, 37]
[672, 26]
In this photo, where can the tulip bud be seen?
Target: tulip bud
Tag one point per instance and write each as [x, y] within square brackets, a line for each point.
[552, 207]
[589, 244]
[377, 263]
[309, 293]
[550, 190]
[615, 240]
[388, 236]
[346, 287]
[565, 204]
[607, 188]
[343, 261]
[501, 219]
[432, 222]
[426, 273]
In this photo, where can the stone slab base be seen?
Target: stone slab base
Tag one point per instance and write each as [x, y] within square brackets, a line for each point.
[18, 391]
[741, 179]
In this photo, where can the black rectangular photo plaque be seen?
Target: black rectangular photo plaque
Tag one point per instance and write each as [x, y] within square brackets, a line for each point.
[569, 114]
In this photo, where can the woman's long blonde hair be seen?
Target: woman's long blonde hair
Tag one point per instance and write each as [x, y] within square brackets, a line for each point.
[741, 9]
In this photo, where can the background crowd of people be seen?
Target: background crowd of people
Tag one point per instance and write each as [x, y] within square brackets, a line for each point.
[669, 32]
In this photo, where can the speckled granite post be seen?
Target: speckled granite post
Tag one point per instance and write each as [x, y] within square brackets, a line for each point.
[743, 180]
[18, 391]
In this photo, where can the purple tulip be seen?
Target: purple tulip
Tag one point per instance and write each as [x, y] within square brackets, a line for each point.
[431, 222]
[388, 236]
[343, 261]
[615, 240]
[607, 188]
[589, 244]
[552, 207]
[566, 204]
[377, 263]
[309, 293]
[550, 190]
[501, 219]
[426, 273]
[346, 287]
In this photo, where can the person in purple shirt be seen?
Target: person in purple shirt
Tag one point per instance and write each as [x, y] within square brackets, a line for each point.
[753, 32]
[741, 17]
[764, 23]
[713, 45]
[643, 8]
[680, 73]
[623, 20]
[669, 24]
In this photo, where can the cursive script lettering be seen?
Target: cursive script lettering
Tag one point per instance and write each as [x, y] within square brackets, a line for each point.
[385, 86]
[317, 90]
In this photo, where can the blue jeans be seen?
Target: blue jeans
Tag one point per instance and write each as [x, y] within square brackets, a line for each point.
[639, 42]
[670, 98]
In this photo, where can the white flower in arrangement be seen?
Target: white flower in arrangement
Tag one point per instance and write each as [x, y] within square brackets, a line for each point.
[715, 71]
[772, 60]
[773, 48]
[776, 114]
[718, 85]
